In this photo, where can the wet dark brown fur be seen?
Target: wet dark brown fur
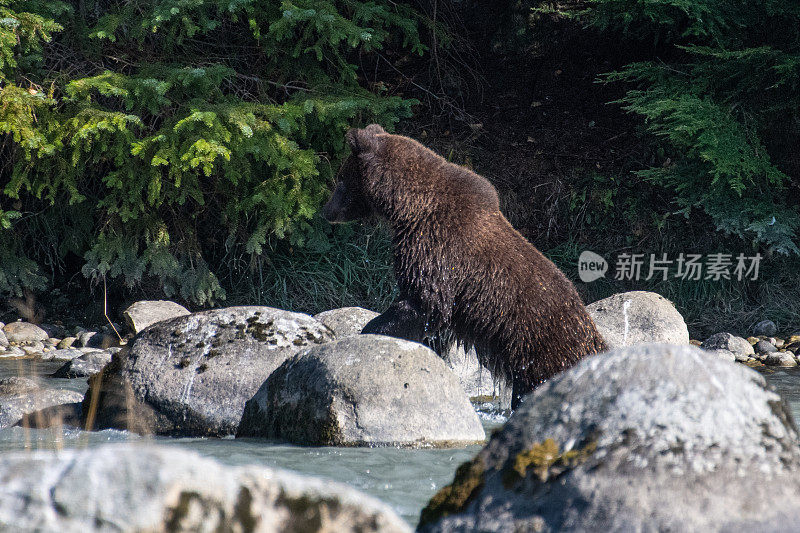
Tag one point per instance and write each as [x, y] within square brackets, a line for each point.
[463, 271]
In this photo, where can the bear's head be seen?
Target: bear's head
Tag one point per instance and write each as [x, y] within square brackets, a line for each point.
[349, 201]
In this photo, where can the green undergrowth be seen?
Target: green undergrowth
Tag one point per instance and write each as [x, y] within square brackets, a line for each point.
[354, 268]
[716, 85]
[708, 306]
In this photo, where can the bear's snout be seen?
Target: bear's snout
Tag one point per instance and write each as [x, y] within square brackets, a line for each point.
[345, 206]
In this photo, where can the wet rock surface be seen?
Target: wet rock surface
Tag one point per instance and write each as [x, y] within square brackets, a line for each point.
[477, 381]
[154, 488]
[22, 396]
[638, 317]
[645, 438]
[24, 332]
[55, 416]
[727, 341]
[346, 321]
[83, 366]
[66, 354]
[192, 375]
[363, 390]
[144, 313]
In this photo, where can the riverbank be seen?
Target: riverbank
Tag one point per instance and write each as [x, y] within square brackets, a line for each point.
[38, 368]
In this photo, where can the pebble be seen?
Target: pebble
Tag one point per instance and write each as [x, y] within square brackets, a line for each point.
[66, 342]
[768, 350]
[765, 327]
[786, 359]
[727, 341]
[85, 337]
[765, 347]
[94, 339]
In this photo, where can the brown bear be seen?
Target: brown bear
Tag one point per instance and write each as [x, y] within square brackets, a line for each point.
[463, 272]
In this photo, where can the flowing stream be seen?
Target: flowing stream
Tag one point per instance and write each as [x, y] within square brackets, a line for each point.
[404, 478]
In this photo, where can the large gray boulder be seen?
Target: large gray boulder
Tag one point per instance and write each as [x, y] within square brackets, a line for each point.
[477, 381]
[638, 317]
[20, 397]
[646, 438]
[144, 313]
[192, 375]
[346, 321]
[24, 333]
[123, 487]
[364, 390]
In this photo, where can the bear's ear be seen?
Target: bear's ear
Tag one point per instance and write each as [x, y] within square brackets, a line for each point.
[374, 129]
[364, 140]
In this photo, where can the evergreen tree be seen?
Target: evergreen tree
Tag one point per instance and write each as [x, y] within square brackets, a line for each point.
[144, 137]
[722, 97]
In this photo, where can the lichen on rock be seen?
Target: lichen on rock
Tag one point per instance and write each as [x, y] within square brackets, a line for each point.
[455, 497]
[545, 460]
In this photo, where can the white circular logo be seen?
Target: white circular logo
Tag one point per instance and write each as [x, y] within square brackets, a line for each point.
[591, 266]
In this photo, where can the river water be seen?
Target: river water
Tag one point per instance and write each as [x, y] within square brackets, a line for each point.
[404, 478]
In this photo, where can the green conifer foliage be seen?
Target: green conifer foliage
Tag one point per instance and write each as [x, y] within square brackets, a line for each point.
[722, 97]
[142, 137]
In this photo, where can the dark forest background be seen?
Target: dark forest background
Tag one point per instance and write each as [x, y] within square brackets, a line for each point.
[182, 148]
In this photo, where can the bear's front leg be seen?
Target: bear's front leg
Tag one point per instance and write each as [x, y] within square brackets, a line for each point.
[402, 320]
